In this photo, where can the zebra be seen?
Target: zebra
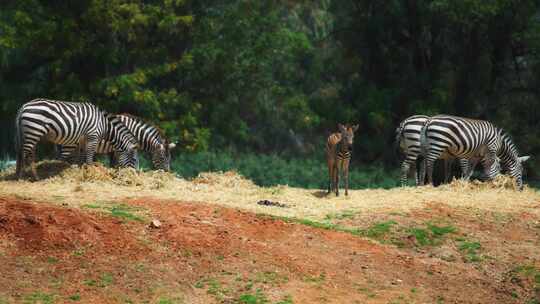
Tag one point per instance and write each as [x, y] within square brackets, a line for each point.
[68, 123]
[407, 141]
[338, 155]
[462, 138]
[149, 137]
[511, 162]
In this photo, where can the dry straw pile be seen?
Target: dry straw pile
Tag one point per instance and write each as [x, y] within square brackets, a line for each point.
[78, 186]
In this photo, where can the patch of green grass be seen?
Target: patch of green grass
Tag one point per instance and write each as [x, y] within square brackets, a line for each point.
[106, 280]
[214, 288]
[347, 214]
[39, 298]
[52, 260]
[257, 298]
[367, 292]
[176, 300]
[270, 277]
[471, 250]
[318, 279]
[90, 283]
[75, 297]
[125, 212]
[378, 230]
[432, 235]
[286, 300]
[92, 206]
[79, 251]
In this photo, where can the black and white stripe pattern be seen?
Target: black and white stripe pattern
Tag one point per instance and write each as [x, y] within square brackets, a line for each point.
[511, 162]
[408, 141]
[68, 123]
[149, 137]
[461, 138]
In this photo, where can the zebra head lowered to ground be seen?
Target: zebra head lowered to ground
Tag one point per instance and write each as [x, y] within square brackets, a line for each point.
[151, 140]
[511, 162]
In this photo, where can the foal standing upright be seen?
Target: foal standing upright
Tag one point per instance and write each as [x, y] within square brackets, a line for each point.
[338, 155]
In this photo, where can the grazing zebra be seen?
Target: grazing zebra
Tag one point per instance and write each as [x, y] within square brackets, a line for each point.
[511, 162]
[408, 142]
[68, 123]
[462, 138]
[149, 137]
[338, 155]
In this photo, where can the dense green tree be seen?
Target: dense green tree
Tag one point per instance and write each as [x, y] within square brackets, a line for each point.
[277, 76]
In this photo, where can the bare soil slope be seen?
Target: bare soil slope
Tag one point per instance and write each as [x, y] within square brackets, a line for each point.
[92, 242]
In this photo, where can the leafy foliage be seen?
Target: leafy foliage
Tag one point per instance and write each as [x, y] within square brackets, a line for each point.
[277, 76]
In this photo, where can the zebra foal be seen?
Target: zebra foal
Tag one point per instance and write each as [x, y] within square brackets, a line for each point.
[338, 155]
[68, 123]
[150, 139]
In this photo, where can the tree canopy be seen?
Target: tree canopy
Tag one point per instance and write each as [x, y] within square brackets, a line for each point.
[277, 76]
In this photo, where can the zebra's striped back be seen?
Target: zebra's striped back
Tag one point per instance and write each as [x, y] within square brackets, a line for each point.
[62, 122]
[66, 123]
[462, 138]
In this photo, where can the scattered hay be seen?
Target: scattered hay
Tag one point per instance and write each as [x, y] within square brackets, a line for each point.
[500, 182]
[229, 179]
[97, 173]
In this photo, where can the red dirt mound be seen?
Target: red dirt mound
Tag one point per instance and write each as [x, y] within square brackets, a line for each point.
[38, 226]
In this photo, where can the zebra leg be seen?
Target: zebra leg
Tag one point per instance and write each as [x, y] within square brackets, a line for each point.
[467, 167]
[337, 173]
[448, 170]
[429, 170]
[112, 160]
[330, 164]
[91, 147]
[32, 157]
[405, 167]
[346, 176]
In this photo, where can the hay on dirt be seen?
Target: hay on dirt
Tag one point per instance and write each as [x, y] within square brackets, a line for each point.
[229, 179]
[121, 177]
[78, 186]
[500, 182]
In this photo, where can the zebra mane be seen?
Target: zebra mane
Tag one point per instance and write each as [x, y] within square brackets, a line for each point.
[508, 143]
[145, 122]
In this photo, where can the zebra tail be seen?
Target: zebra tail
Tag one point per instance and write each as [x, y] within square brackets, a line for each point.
[18, 137]
[424, 145]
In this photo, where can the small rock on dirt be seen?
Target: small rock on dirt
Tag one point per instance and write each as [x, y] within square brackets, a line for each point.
[155, 224]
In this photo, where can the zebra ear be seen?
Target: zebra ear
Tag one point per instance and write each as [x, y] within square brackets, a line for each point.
[523, 158]
[341, 127]
[355, 128]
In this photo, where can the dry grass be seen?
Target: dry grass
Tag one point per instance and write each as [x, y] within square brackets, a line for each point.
[78, 186]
